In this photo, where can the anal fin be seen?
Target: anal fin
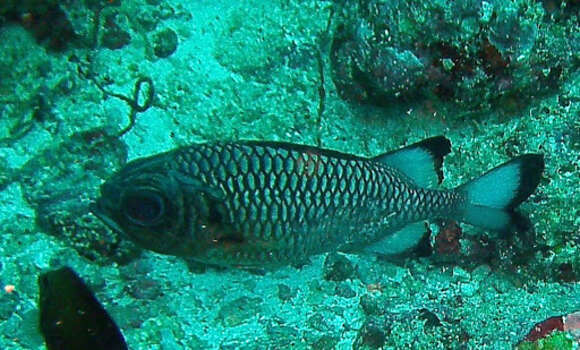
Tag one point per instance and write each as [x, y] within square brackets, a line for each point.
[400, 241]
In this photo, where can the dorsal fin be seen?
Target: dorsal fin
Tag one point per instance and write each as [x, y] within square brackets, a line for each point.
[420, 161]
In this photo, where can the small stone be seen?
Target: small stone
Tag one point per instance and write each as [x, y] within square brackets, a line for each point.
[325, 342]
[461, 275]
[448, 64]
[8, 305]
[370, 305]
[486, 12]
[239, 311]
[145, 289]
[318, 322]
[481, 273]
[147, 21]
[370, 335]
[114, 37]
[469, 289]
[165, 43]
[281, 335]
[344, 290]
[285, 293]
[338, 268]
[566, 273]
[501, 284]
[431, 320]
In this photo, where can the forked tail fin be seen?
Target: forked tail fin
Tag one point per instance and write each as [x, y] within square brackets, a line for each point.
[493, 197]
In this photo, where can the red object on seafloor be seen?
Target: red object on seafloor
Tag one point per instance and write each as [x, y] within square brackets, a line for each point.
[447, 241]
[542, 329]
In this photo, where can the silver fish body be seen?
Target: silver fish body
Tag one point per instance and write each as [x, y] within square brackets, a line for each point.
[269, 203]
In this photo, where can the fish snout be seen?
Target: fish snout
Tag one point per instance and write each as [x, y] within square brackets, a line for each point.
[110, 193]
[106, 205]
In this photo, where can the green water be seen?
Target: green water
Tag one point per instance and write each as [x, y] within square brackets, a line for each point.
[86, 86]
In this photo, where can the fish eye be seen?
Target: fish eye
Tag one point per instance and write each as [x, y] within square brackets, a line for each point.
[143, 207]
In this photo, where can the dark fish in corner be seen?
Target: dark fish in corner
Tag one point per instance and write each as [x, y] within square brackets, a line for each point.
[71, 318]
[262, 204]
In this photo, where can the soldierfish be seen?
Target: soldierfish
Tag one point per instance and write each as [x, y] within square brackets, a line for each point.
[260, 204]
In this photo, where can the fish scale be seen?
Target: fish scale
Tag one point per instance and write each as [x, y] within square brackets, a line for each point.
[304, 179]
[270, 203]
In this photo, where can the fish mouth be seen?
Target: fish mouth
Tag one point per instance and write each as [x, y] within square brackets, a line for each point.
[97, 209]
